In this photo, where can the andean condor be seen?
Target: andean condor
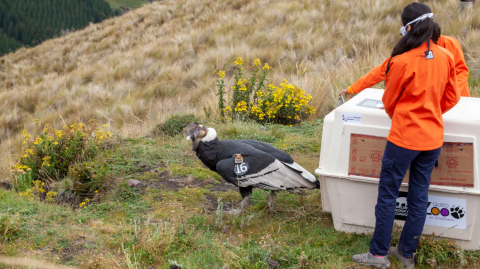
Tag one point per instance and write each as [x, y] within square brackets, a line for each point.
[248, 164]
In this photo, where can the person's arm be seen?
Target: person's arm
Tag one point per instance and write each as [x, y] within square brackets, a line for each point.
[455, 48]
[373, 77]
[451, 95]
[394, 82]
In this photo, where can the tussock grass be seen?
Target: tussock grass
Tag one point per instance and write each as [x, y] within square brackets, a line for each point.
[136, 70]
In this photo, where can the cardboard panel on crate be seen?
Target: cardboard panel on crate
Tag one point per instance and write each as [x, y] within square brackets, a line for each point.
[454, 168]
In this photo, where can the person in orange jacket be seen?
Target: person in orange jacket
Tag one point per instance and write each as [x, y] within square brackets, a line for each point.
[451, 44]
[420, 85]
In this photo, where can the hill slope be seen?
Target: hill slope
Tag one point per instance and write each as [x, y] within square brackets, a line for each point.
[30, 22]
[135, 70]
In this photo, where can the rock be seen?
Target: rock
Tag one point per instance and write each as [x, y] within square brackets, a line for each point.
[262, 128]
[136, 184]
[65, 197]
[432, 262]
[273, 263]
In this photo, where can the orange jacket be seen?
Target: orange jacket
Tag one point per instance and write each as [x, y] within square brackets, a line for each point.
[417, 92]
[451, 44]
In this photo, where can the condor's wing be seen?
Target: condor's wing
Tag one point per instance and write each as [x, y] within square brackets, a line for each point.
[264, 172]
[283, 157]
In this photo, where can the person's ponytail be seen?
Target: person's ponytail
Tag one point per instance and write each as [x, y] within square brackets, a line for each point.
[436, 33]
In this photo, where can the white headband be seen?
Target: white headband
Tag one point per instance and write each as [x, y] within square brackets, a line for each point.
[421, 18]
[403, 30]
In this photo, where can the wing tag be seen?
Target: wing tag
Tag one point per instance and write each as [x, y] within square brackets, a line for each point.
[241, 169]
[238, 158]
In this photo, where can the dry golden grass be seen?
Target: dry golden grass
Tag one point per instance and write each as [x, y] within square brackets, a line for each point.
[136, 70]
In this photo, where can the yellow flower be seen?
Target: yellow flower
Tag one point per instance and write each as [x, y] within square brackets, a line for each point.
[45, 160]
[105, 125]
[221, 74]
[239, 61]
[257, 62]
[241, 106]
[266, 67]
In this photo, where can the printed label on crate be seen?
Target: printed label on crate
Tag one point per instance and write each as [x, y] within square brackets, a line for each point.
[371, 103]
[352, 118]
[441, 211]
[454, 167]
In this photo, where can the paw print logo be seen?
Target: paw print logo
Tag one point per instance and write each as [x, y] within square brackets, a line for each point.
[457, 212]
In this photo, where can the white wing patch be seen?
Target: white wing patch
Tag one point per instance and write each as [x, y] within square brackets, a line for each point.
[305, 173]
[277, 176]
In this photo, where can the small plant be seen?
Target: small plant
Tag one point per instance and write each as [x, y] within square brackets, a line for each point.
[81, 175]
[49, 154]
[219, 214]
[442, 251]
[38, 191]
[84, 203]
[9, 227]
[174, 125]
[284, 104]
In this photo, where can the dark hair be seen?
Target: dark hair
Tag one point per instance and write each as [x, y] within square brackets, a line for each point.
[421, 31]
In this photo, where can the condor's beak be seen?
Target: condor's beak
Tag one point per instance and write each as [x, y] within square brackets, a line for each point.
[195, 132]
[197, 137]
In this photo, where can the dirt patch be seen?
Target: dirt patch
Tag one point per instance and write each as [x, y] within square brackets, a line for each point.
[69, 253]
[5, 185]
[167, 182]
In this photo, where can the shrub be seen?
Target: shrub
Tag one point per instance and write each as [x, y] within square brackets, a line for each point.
[284, 104]
[175, 124]
[49, 154]
[88, 177]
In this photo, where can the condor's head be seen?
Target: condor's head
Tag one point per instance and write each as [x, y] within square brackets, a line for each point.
[198, 132]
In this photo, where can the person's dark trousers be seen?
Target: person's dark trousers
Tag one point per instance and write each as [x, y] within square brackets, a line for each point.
[395, 163]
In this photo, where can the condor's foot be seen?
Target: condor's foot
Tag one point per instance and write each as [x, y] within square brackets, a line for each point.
[245, 202]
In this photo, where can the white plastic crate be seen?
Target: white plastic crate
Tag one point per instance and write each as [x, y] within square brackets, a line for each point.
[352, 198]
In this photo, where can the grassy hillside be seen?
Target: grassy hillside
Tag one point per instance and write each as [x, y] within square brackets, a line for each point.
[135, 70]
[132, 4]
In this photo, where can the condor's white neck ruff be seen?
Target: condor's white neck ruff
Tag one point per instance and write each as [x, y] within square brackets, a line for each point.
[211, 134]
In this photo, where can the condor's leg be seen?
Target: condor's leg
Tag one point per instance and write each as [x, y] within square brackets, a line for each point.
[245, 192]
[271, 205]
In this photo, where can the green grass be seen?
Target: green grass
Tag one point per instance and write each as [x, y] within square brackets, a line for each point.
[132, 4]
[163, 224]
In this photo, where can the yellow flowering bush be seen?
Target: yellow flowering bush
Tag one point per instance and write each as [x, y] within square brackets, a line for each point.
[49, 153]
[38, 190]
[284, 104]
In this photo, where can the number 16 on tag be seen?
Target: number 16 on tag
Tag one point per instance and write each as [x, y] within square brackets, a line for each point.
[241, 169]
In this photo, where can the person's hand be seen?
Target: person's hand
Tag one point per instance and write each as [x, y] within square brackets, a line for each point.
[344, 91]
